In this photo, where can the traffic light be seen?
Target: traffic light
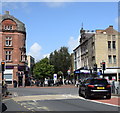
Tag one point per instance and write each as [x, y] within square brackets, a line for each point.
[95, 67]
[103, 66]
[2, 66]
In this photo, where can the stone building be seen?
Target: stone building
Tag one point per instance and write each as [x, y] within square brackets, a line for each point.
[101, 46]
[31, 62]
[13, 49]
[77, 57]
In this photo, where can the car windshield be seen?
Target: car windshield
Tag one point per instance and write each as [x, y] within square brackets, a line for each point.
[99, 81]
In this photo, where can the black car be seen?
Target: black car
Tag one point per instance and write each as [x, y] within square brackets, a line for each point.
[95, 87]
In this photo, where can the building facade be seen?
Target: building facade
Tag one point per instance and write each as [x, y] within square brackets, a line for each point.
[31, 62]
[77, 58]
[13, 49]
[101, 46]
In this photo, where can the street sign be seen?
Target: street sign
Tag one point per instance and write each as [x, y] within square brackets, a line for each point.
[55, 78]
[98, 73]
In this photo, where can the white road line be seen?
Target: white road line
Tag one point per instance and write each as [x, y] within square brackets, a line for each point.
[43, 107]
[97, 101]
[104, 103]
[57, 97]
[15, 94]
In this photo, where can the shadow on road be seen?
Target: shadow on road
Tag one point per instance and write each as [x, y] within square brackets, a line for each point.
[4, 107]
[95, 98]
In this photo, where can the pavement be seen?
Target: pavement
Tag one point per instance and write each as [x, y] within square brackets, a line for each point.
[61, 86]
[115, 99]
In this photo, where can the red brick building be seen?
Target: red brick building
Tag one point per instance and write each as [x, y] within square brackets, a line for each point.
[13, 49]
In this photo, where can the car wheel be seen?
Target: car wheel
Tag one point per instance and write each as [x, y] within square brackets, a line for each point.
[80, 92]
[86, 96]
[108, 97]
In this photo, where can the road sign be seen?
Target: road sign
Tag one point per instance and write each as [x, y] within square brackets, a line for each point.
[98, 73]
[55, 76]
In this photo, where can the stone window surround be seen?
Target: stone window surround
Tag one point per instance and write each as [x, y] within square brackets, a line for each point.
[8, 55]
[8, 41]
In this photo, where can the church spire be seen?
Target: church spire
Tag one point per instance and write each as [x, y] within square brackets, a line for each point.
[82, 30]
[82, 24]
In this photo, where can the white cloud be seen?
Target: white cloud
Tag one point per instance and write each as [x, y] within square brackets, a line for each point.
[73, 43]
[55, 4]
[35, 51]
[15, 6]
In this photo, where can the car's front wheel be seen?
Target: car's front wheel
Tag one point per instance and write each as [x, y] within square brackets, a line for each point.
[79, 92]
[86, 95]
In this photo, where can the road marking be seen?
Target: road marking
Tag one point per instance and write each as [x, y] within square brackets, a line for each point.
[100, 102]
[57, 97]
[33, 106]
[103, 103]
[44, 108]
[76, 96]
[41, 97]
[15, 94]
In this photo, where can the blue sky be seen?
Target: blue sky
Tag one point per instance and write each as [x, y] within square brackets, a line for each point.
[52, 25]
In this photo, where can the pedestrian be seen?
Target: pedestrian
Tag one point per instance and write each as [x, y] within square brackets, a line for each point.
[113, 87]
[4, 88]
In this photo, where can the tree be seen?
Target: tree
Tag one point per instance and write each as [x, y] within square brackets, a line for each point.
[43, 69]
[60, 73]
[61, 60]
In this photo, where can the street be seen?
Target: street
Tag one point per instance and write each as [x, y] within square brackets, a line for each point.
[52, 99]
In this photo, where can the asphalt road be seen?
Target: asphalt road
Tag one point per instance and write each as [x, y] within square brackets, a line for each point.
[52, 99]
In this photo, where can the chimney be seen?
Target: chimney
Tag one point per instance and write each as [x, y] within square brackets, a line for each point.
[99, 31]
[110, 26]
[7, 12]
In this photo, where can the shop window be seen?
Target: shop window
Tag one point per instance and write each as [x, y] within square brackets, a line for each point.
[8, 78]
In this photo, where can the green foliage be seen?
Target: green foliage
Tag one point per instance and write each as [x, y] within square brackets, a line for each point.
[60, 73]
[43, 69]
[61, 60]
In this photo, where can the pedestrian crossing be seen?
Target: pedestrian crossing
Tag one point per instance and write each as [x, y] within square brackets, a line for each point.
[37, 102]
[32, 103]
[33, 106]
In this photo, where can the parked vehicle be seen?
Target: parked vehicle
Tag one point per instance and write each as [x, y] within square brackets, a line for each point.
[95, 87]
